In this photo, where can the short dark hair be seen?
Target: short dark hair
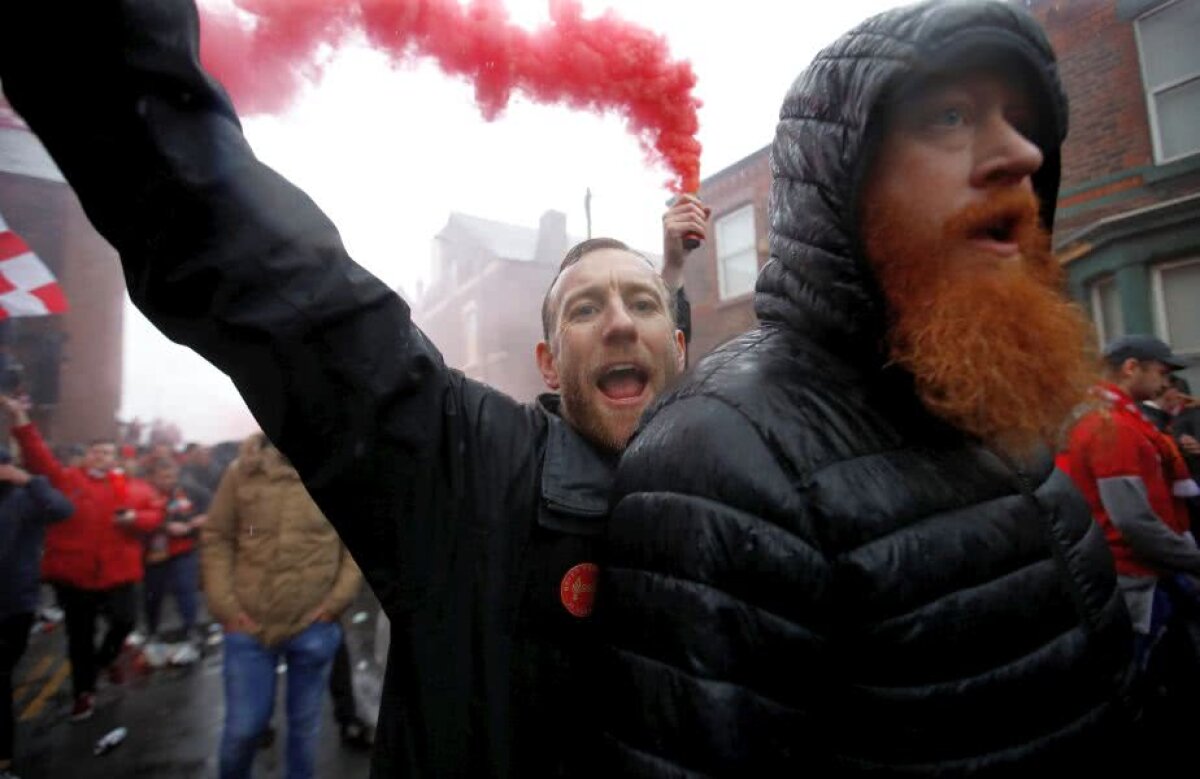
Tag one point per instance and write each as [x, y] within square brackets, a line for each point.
[574, 255]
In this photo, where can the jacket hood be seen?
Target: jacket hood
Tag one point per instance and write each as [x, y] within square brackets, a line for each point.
[817, 281]
[258, 456]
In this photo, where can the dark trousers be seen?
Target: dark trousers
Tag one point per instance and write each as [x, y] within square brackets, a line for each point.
[341, 686]
[14, 637]
[81, 609]
[179, 575]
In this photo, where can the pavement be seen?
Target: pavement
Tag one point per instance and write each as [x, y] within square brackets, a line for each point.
[173, 715]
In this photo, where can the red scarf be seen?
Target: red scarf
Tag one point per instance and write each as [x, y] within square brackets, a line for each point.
[1175, 470]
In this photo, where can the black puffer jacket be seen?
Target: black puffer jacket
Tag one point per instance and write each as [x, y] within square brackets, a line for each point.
[809, 574]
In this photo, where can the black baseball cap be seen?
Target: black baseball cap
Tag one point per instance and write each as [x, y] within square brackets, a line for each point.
[1141, 347]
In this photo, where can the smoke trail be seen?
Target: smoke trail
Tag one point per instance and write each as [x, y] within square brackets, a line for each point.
[265, 52]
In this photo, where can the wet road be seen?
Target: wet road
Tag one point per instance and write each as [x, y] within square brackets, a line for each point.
[173, 715]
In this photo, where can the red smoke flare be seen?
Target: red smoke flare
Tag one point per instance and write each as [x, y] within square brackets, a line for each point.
[263, 55]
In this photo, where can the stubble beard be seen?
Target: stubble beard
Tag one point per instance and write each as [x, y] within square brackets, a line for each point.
[609, 429]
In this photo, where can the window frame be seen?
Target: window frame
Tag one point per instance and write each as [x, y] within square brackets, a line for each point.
[722, 283]
[1097, 306]
[1158, 299]
[1151, 93]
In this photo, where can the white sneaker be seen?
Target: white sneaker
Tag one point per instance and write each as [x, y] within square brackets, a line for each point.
[184, 654]
[51, 614]
[155, 653]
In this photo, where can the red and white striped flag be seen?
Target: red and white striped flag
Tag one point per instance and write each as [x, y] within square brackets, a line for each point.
[27, 287]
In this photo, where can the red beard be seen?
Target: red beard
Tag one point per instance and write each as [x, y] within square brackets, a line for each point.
[996, 351]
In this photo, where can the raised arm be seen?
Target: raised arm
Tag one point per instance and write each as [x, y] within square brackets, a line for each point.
[37, 456]
[225, 256]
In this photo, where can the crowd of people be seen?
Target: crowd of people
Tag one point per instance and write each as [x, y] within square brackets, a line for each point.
[911, 523]
[123, 526]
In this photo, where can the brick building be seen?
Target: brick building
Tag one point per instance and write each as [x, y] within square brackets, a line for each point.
[719, 276]
[71, 363]
[1128, 226]
[1129, 210]
[482, 307]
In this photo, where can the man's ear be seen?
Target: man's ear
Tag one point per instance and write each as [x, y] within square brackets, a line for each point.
[547, 365]
[680, 351]
[1130, 366]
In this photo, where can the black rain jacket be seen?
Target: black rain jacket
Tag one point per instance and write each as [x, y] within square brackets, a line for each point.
[465, 510]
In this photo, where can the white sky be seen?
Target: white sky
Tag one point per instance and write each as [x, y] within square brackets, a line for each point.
[389, 154]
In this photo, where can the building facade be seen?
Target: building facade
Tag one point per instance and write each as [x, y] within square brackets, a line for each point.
[719, 276]
[1128, 227]
[482, 306]
[1128, 224]
[70, 363]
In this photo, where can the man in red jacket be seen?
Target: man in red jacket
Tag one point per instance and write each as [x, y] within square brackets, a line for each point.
[94, 558]
[1131, 475]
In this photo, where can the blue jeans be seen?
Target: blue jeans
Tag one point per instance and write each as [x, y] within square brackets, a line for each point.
[180, 575]
[250, 696]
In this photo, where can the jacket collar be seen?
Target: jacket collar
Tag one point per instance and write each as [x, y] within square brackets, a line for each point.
[576, 477]
[1118, 398]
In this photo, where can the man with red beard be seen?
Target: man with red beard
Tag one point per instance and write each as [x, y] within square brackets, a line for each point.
[843, 547]
[473, 517]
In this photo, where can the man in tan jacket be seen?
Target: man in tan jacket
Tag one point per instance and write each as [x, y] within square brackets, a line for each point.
[277, 577]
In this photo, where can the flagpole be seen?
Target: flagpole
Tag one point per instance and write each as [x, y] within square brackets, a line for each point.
[587, 209]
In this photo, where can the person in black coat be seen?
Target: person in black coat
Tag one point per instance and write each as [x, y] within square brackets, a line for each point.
[27, 504]
[842, 546]
[474, 518]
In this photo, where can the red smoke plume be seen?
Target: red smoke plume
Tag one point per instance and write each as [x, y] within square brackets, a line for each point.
[263, 53]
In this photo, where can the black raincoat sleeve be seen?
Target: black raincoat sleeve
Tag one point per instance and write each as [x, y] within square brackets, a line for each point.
[225, 256]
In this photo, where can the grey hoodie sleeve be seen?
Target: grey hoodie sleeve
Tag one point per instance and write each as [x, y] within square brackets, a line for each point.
[1128, 505]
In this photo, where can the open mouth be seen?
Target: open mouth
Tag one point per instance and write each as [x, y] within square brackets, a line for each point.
[623, 381]
[1000, 230]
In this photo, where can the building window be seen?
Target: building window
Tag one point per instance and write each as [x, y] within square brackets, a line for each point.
[1176, 287]
[470, 325]
[1167, 39]
[737, 253]
[1106, 310]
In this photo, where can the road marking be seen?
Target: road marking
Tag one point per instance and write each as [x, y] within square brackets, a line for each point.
[33, 677]
[35, 706]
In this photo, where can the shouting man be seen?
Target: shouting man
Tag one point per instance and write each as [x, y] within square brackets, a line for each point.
[473, 517]
[843, 546]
